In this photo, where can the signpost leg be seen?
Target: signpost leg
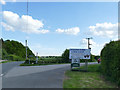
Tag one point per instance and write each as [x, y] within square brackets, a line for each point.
[29, 61]
[79, 62]
[86, 65]
[71, 64]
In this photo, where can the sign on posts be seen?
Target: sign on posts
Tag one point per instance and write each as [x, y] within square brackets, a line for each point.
[79, 54]
[76, 54]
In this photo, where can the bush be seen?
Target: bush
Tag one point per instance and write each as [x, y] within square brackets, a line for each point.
[65, 56]
[14, 58]
[110, 61]
[49, 61]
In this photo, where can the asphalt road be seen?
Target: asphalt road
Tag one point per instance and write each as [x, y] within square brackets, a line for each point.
[8, 66]
[48, 76]
[5, 67]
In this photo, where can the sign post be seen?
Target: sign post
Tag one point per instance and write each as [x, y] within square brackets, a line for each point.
[30, 56]
[36, 58]
[76, 54]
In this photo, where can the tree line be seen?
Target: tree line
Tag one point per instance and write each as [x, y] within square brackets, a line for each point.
[14, 50]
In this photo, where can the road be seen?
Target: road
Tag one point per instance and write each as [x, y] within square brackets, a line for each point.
[48, 76]
[8, 66]
[5, 67]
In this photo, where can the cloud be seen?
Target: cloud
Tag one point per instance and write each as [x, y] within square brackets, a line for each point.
[2, 2]
[24, 23]
[7, 27]
[95, 47]
[72, 31]
[13, 0]
[44, 50]
[104, 29]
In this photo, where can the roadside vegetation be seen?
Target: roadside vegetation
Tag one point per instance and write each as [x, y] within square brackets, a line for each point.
[6, 61]
[49, 60]
[104, 75]
[90, 79]
[14, 50]
[110, 61]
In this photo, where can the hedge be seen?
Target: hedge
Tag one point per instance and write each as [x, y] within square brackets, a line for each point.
[110, 61]
[14, 58]
[45, 61]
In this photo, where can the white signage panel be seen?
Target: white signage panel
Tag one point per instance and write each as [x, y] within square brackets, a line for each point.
[79, 54]
[75, 61]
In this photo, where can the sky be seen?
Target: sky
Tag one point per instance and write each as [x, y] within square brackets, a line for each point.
[52, 27]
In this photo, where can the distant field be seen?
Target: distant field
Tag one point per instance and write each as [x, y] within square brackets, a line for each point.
[90, 79]
[49, 58]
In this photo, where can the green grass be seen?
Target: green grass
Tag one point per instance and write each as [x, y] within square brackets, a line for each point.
[7, 61]
[91, 68]
[90, 79]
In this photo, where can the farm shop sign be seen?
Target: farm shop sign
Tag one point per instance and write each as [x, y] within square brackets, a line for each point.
[79, 54]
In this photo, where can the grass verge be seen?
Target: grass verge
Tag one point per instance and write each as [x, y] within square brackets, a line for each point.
[7, 61]
[90, 79]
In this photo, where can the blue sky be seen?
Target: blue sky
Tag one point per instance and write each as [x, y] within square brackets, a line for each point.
[65, 25]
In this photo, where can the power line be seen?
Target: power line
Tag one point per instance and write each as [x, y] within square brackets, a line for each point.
[27, 7]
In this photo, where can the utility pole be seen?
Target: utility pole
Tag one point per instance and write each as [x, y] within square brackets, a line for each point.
[89, 42]
[26, 48]
[86, 62]
[26, 28]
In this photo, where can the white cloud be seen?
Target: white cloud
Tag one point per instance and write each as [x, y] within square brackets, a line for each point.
[44, 50]
[24, 23]
[105, 30]
[13, 0]
[7, 27]
[95, 47]
[2, 2]
[73, 31]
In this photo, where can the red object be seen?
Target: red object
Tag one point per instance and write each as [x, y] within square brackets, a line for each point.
[99, 59]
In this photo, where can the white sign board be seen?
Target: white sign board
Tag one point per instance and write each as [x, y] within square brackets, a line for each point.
[75, 61]
[79, 54]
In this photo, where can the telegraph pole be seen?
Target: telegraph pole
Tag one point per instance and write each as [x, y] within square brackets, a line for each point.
[86, 62]
[26, 28]
[89, 42]
[26, 48]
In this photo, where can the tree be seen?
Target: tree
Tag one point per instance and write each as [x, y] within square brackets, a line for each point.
[65, 56]
[4, 54]
[15, 49]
